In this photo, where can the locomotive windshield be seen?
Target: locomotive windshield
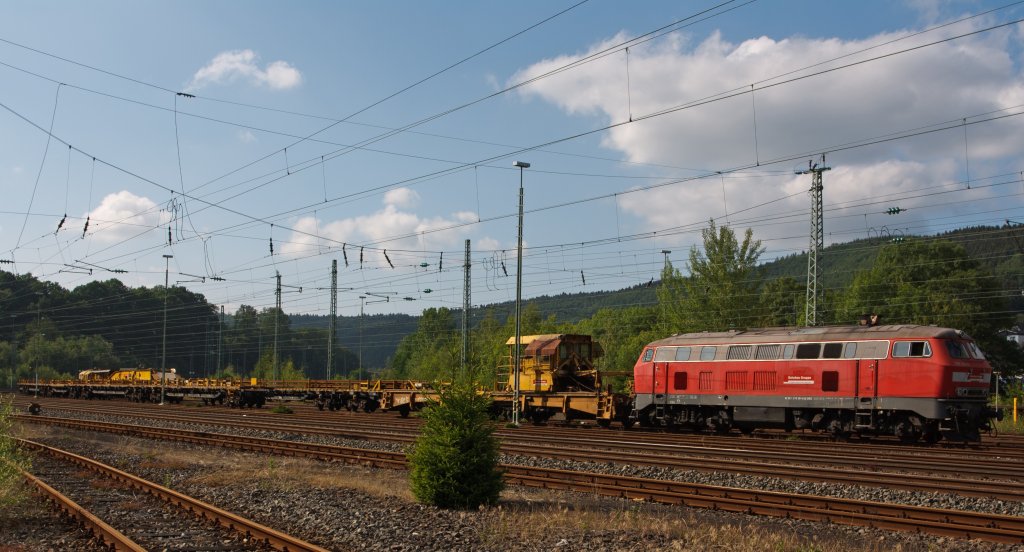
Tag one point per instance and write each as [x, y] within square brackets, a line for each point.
[964, 349]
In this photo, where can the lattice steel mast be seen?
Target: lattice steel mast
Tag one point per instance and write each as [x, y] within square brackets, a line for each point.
[334, 317]
[466, 292]
[814, 291]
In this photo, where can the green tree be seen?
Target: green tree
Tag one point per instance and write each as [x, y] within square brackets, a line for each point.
[721, 291]
[927, 282]
[934, 282]
[454, 461]
[782, 302]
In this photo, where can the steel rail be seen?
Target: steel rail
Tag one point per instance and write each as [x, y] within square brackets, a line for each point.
[99, 528]
[954, 523]
[234, 522]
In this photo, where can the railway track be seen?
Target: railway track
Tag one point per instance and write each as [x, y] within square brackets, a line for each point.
[941, 470]
[1002, 490]
[960, 524]
[148, 516]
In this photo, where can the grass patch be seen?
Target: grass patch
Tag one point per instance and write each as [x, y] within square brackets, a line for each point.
[282, 409]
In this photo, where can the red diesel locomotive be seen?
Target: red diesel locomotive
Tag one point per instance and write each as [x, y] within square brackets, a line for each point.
[914, 382]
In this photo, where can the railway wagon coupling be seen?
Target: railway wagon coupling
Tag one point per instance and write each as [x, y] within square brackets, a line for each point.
[911, 382]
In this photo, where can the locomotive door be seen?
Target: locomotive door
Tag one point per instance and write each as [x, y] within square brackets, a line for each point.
[867, 392]
[660, 382]
[867, 379]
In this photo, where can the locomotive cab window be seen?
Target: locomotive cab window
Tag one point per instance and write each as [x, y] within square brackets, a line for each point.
[808, 350]
[957, 349]
[911, 349]
[708, 353]
[833, 350]
[648, 354]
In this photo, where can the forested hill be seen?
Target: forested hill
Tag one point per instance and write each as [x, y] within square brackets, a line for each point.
[376, 336]
[994, 247]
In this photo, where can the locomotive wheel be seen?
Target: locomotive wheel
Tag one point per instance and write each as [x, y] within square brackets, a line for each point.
[627, 423]
[320, 406]
[604, 422]
[906, 431]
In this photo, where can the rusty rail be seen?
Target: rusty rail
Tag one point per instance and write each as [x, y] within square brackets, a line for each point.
[99, 528]
[234, 522]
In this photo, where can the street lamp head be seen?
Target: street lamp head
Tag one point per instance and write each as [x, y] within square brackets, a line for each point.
[168, 256]
[521, 164]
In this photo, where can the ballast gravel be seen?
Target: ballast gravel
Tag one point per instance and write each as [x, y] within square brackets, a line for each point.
[347, 520]
[722, 479]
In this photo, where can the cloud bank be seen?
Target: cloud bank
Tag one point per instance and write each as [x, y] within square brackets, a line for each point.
[944, 82]
[243, 65]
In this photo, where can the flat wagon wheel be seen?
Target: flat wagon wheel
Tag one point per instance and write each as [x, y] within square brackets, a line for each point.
[404, 410]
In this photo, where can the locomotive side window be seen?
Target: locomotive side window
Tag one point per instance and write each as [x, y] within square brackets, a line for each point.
[850, 350]
[975, 351]
[708, 352]
[683, 353]
[680, 380]
[833, 350]
[648, 354]
[739, 352]
[705, 381]
[767, 352]
[911, 349]
[808, 350]
[830, 380]
[665, 354]
[787, 351]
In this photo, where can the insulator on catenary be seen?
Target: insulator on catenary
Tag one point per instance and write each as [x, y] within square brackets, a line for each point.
[86, 229]
[345, 254]
[388, 259]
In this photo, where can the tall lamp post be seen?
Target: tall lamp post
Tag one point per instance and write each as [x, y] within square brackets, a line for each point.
[39, 318]
[163, 355]
[517, 360]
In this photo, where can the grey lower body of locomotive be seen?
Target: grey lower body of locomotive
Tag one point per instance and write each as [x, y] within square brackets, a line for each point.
[908, 418]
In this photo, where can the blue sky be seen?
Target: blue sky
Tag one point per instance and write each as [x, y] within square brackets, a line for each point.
[293, 135]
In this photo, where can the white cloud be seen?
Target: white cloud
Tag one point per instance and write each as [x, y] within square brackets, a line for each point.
[236, 65]
[401, 197]
[17, 170]
[122, 215]
[944, 82]
[246, 137]
[388, 222]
